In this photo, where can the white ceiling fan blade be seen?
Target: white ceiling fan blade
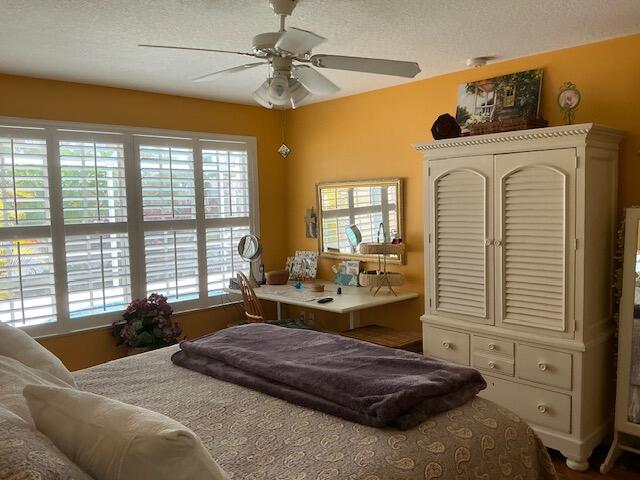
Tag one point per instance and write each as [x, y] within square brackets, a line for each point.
[314, 81]
[367, 65]
[228, 71]
[172, 47]
[298, 42]
[261, 96]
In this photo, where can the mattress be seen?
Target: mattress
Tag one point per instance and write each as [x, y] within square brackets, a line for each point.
[257, 437]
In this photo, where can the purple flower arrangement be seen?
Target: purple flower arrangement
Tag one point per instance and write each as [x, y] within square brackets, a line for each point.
[147, 323]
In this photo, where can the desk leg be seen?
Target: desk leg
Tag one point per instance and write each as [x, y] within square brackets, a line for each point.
[279, 310]
[354, 319]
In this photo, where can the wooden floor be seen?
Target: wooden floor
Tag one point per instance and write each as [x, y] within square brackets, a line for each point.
[627, 468]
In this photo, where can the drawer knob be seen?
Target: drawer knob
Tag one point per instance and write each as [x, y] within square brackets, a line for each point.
[542, 366]
[497, 243]
[446, 345]
[492, 364]
[542, 408]
[492, 346]
[488, 242]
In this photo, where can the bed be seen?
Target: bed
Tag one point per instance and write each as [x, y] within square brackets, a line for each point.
[254, 436]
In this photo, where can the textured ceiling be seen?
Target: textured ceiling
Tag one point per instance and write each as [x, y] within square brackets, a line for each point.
[94, 41]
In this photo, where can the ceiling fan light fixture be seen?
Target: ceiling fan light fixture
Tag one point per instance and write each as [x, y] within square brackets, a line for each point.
[262, 97]
[278, 91]
[298, 92]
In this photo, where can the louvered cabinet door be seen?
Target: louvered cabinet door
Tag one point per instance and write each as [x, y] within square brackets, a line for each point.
[459, 248]
[534, 201]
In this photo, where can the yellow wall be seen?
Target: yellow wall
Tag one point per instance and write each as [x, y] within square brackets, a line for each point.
[53, 100]
[370, 136]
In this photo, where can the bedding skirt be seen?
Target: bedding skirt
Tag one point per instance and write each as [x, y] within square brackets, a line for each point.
[257, 437]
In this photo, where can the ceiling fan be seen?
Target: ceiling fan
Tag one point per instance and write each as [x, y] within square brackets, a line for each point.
[288, 54]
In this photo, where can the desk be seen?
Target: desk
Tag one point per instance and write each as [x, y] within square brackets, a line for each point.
[351, 301]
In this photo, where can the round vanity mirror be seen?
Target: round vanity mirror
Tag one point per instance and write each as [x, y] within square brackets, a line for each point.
[250, 248]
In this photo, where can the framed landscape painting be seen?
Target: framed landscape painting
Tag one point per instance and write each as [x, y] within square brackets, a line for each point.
[499, 98]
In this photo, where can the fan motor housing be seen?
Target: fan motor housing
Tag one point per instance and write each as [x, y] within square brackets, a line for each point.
[283, 7]
[264, 44]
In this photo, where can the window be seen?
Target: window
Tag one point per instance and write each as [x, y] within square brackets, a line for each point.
[167, 171]
[168, 189]
[27, 291]
[93, 182]
[98, 273]
[223, 260]
[226, 210]
[171, 258]
[93, 216]
[94, 206]
[27, 287]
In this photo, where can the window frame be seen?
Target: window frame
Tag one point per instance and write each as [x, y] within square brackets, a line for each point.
[54, 132]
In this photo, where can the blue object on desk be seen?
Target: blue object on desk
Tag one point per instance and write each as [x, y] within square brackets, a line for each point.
[298, 284]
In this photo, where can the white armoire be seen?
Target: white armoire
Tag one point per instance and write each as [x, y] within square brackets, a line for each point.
[519, 241]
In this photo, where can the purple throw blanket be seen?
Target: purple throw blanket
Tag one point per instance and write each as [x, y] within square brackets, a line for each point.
[355, 380]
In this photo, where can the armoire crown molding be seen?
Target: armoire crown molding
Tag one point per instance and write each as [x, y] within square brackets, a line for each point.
[591, 131]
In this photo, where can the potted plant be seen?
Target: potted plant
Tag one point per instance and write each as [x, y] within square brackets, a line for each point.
[147, 325]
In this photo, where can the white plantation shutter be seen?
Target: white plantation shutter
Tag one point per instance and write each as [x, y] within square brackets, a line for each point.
[27, 286]
[227, 200]
[168, 188]
[168, 176]
[94, 205]
[459, 256]
[534, 244]
[93, 182]
[171, 259]
[98, 273]
[24, 184]
[226, 183]
[27, 289]
[223, 260]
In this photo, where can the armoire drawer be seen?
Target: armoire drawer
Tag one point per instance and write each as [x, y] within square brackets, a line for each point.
[541, 365]
[492, 345]
[538, 406]
[445, 344]
[492, 363]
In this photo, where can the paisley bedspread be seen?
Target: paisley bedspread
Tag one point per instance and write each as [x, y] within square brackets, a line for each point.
[257, 437]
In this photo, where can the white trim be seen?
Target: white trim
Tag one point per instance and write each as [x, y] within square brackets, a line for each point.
[201, 228]
[135, 226]
[41, 125]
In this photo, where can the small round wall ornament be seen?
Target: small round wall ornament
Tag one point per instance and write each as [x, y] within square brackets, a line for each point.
[568, 101]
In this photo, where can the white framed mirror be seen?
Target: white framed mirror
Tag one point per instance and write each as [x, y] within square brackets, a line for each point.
[364, 204]
[627, 413]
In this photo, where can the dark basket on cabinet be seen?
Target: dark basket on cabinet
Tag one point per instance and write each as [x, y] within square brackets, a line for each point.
[508, 125]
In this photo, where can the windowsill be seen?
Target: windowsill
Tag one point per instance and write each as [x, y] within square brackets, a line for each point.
[80, 331]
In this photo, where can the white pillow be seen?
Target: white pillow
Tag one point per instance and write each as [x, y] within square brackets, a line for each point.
[17, 344]
[112, 440]
[14, 376]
